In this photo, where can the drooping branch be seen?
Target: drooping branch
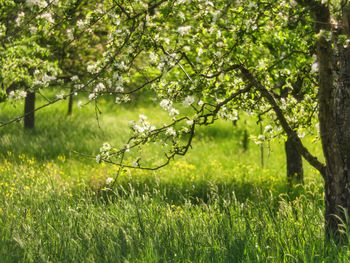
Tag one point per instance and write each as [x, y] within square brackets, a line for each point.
[283, 121]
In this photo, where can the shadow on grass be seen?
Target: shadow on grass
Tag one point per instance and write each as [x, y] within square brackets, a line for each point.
[56, 134]
[222, 131]
[53, 135]
[207, 192]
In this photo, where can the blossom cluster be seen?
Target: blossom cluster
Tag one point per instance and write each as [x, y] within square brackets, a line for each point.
[105, 152]
[17, 94]
[168, 106]
[143, 127]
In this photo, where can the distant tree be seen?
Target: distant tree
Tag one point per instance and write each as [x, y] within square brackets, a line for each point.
[50, 44]
[25, 62]
[79, 39]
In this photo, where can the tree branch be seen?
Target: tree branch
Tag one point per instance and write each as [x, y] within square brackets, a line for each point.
[284, 123]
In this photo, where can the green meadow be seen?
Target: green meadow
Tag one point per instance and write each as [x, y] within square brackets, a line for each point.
[216, 204]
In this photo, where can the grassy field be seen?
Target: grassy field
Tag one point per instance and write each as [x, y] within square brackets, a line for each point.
[217, 204]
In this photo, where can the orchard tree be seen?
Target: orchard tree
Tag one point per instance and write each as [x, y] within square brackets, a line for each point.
[24, 61]
[79, 39]
[284, 60]
[46, 43]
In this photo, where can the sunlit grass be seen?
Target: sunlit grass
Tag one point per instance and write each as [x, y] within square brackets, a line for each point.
[217, 204]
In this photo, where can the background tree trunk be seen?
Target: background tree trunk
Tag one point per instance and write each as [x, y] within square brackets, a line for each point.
[295, 172]
[29, 107]
[70, 101]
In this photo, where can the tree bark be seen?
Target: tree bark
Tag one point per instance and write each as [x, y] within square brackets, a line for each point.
[335, 134]
[29, 107]
[295, 172]
[334, 118]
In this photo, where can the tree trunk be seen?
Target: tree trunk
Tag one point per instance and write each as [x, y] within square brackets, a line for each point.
[334, 117]
[334, 112]
[295, 172]
[70, 101]
[29, 107]
[336, 146]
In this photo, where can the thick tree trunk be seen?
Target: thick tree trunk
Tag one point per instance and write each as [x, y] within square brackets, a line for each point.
[29, 107]
[337, 194]
[295, 172]
[337, 148]
[334, 112]
[334, 117]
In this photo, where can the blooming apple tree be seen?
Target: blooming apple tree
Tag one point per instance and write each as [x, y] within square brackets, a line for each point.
[285, 61]
[206, 61]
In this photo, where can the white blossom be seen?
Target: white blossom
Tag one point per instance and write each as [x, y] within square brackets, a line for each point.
[188, 101]
[74, 78]
[2, 29]
[33, 30]
[121, 65]
[39, 3]
[314, 67]
[252, 5]
[119, 89]
[91, 68]
[184, 30]
[70, 34]
[301, 134]
[168, 106]
[48, 17]
[126, 98]
[261, 137]
[81, 23]
[142, 117]
[170, 131]
[17, 94]
[99, 87]
[106, 147]
[268, 128]
[109, 180]
[200, 51]
[165, 104]
[153, 57]
[293, 3]
[92, 96]
[173, 112]
[19, 18]
[60, 96]
[46, 78]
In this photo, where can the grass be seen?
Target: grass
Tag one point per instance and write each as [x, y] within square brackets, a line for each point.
[214, 205]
